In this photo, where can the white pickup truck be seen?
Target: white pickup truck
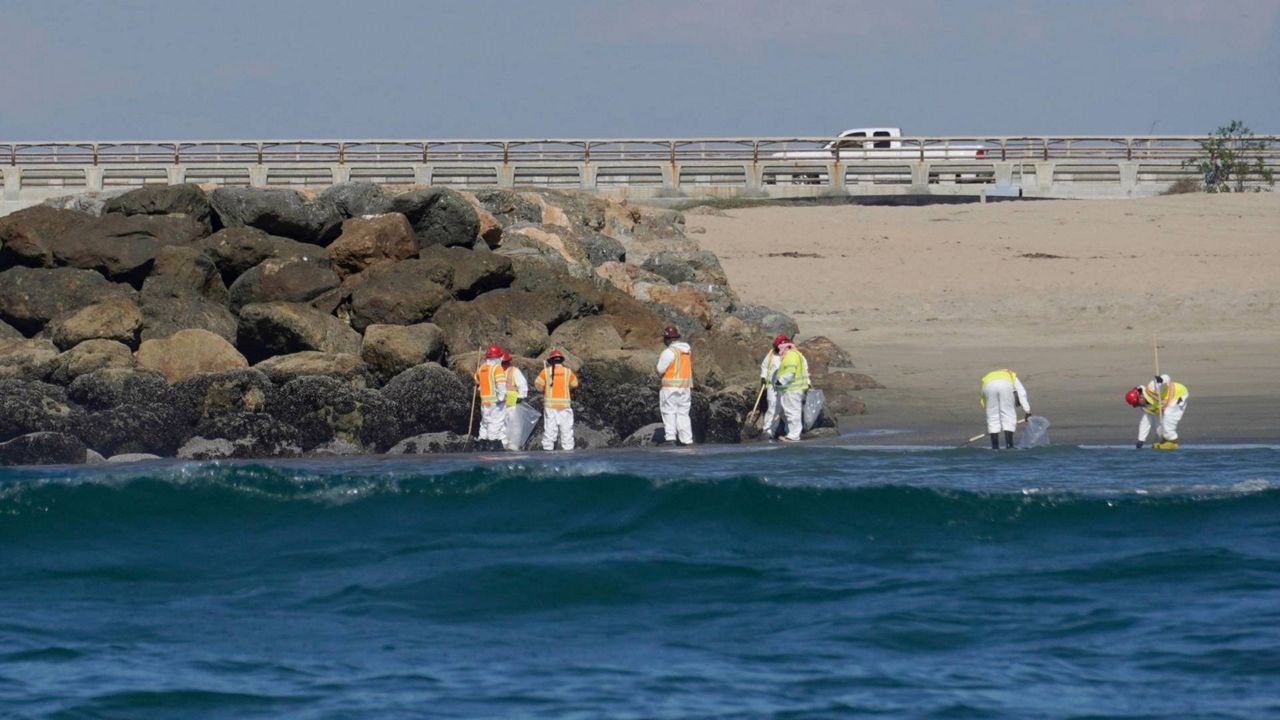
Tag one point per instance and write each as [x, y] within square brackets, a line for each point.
[883, 144]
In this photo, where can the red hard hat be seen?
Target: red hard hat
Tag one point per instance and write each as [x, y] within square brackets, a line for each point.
[781, 339]
[1133, 397]
[506, 357]
[555, 355]
[493, 351]
[670, 332]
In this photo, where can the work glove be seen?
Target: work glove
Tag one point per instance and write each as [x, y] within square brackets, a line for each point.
[764, 382]
[1138, 445]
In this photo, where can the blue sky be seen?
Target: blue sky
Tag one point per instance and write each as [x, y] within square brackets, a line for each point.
[572, 68]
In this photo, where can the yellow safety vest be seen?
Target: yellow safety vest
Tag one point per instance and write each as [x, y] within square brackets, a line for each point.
[680, 372]
[793, 362]
[556, 390]
[513, 395]
[487, 379]
[1002, 374]
[1156, 404]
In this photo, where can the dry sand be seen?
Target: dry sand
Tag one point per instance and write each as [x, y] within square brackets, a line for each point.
[1067, 293]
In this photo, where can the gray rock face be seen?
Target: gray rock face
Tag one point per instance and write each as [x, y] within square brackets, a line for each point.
[123, 247]
[509, 206]
[296, 280]
[208, 395]
[111, 387]
[670, 266]
[323, 409]
[439, 216]
[771, 322]
[188, 200]
[278, 212]
[468, 326]
[428, 443]
[198, 448]
[132, 458]
[648, 436]
[185, 297]
[616, 397]
[134, 428]
[43, 448]
[9, 332]
[26, 236]
[472, 272]
[235, 250]
[30, 298]
[429, 398]
[279, 328]
[355, 199]
[586, 438]
[29, 407]
[252, 435]
[600, 249]
[186, 271]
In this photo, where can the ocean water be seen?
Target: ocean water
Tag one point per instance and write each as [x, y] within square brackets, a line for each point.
[727, 582]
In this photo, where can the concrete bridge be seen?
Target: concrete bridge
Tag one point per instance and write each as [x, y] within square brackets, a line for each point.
[655, 169]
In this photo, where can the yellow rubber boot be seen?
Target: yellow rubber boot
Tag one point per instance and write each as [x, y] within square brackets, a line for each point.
[1166, 445]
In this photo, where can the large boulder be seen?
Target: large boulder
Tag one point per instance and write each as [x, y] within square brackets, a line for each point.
[373, 240]
[116, 319]
[185, 292]
[276, 211]
[235, 250]
[89, 356]
[590, 337]
[28, 407]
[31, 297]
[323, 409]
[281, 328]
[468, 326]
[26, 236]
[439, 216]
[429, 443]
[649, 435]
[188, 352]
[27, 359]
[770, 322]
[617, 397]
[404, 293]
[510, 206]
[549, 306]
[473, 271]
[355, 199]
[206, 395]
[824, 355]
[134, 428]
[123, 247]
[9, 332]
[252, 435]
[296, 280]
[185, 270]
[429, 398]
[727, 412]
[111, 387]
[391, 349]
[348, 368]
[43, 448]
[187, 200]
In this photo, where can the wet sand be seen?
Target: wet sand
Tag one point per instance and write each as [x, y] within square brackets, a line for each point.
[1068, 293]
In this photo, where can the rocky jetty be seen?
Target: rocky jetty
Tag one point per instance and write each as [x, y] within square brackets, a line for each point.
[237, 322]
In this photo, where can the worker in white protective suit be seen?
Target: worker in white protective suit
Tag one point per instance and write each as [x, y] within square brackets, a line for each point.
[675, 367]
[768, 368]
[491, 384]
[791, 382]
[1001, 391]
[1163, 402]
[556, 382]
[517, 389]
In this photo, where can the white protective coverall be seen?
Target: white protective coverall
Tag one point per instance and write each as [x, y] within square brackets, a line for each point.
[674, 402]
[772, 415]
[998, 392]
[521, 387]
[1166, 422]
[791, 380]
[493, 416]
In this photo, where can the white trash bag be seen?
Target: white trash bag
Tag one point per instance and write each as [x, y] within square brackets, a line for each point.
[813, 401]
[521, 420]
[1035, 434]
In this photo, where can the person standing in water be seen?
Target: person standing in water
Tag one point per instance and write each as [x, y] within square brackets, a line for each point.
[1001, 390]
[1165, 400]
[675, 367]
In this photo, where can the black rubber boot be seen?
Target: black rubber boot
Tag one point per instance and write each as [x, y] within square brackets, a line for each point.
[995, 441]
[1008, 439]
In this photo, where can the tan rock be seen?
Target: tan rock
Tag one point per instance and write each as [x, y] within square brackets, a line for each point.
[283, 368]
[88, 356]
[116, 319]
[188, 352]
[589, 337]
[551, 215]
[392, 349]
[22, 359]
[372, 240]
[490, 228]
[685, 298]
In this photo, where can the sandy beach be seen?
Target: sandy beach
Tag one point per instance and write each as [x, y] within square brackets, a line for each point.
[1068, 293]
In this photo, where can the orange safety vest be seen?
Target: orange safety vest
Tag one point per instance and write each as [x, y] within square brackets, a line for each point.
[679, 374]
[487, 378]
[557, 395]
